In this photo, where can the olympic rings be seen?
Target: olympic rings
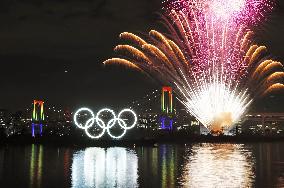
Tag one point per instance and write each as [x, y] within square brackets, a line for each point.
[96, 120]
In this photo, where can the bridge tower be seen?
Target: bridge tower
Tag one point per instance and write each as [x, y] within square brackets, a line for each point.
[166, 119]
[37, 117]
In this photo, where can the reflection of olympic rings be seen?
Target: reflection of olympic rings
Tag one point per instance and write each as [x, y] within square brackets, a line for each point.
[102, 125]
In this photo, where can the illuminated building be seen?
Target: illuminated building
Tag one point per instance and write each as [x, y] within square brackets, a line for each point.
[166, 119]
[59, 121]
[263, 123]
[3, 118]
[14, 124]
[148, 121]
[37, 117]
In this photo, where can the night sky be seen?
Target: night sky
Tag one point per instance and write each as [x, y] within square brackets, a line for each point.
[54, 49]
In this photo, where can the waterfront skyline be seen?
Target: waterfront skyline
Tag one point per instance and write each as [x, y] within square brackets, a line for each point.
[174, 116]
[54, 52]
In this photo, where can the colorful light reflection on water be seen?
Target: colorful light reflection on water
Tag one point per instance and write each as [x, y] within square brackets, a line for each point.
[191, 165]
[218, 165]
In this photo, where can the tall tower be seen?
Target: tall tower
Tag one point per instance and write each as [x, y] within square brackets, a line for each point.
[37, 117]
[166, 119]
[167, 100]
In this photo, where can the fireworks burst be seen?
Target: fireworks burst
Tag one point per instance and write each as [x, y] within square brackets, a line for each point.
[214, 68]
[238, 11]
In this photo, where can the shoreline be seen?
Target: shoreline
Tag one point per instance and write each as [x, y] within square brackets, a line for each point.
[151, 142]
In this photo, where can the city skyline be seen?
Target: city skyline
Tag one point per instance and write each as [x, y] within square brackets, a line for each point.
[141, 93]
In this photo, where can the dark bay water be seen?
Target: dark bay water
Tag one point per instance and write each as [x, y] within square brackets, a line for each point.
[195, 165]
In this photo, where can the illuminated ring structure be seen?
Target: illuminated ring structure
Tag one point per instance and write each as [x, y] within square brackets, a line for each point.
[96, 120]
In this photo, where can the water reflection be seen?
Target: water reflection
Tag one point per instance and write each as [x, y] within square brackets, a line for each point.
[162, 162]
[270, 168]
[99, 167]
[218, 165]
[2, 152]
[36, 165]
[195, 165]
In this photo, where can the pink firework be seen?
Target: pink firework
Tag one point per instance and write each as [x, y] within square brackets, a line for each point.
[210, 33]
[241, 11]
